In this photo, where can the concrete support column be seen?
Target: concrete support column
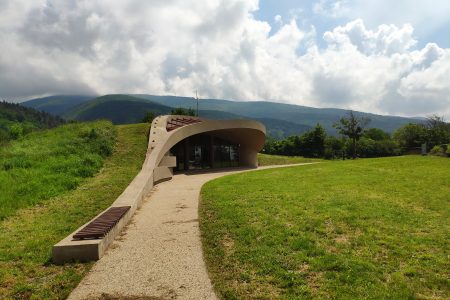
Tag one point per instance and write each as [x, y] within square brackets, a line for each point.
[186, 154]
[248, 157]
[211, 151]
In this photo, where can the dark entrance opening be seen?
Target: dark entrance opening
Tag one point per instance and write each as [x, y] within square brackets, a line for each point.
[203, 151]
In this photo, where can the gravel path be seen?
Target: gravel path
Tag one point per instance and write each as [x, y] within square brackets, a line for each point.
[159, 255]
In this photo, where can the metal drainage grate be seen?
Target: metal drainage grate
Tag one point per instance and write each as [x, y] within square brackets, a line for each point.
[102, 224]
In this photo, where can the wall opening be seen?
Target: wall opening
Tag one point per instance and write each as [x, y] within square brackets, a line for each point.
[205, 151]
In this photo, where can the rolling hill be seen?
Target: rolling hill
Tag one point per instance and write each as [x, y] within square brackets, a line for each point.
[120, 109]
[281, 120]
[123, 109]
[304, 115]
[57, 105]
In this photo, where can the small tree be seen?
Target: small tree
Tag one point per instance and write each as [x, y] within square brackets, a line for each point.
[16, 130]
[312, 142]
[352, 127]
[148, 117]
[411, 136]
[438, 131]
[333, 147]
[183, 111]
[376, 134]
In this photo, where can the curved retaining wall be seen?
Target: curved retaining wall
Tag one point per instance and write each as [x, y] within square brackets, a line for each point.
[157, 167]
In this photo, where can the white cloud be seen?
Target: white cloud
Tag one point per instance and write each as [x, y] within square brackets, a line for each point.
[219, 48]
[331, 8]
[278, 20]
[425, 15]
[386, 40]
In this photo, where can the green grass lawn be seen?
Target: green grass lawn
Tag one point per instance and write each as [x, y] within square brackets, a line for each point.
[269, 160]
[44, 164]
[27, 237]
[370, 228]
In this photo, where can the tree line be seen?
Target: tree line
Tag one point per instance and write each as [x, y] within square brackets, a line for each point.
[180, 111]
[17, 120]
[357, 140]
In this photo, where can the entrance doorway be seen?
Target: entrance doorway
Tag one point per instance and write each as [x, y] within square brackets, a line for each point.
[204, 151]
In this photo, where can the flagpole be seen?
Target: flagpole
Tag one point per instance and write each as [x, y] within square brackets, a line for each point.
[196, 97]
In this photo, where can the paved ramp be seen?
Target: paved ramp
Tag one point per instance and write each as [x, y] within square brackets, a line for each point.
[159, 255]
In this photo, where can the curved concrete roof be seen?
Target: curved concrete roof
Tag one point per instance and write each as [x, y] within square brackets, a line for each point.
[247, 133]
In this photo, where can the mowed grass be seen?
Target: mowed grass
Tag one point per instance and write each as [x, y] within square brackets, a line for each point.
[269, 160]
[372, 228]
[44, 164]
[27, 237]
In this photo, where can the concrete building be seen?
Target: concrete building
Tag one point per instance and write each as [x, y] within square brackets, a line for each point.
[176, 144]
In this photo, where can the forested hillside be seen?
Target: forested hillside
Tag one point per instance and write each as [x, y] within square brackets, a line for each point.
[57, 105]
[17, 120]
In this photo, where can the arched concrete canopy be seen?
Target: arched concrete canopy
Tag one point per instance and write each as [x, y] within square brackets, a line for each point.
[249, 134]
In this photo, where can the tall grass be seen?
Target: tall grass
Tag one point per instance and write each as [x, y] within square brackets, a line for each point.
[44, 164]
[27, 237]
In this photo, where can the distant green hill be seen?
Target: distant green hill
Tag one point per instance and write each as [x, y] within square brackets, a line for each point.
[120, 109]
[279, 129]
[17, 120]
[57, 105]
[281, 120]
[124, 109]
[304, 115]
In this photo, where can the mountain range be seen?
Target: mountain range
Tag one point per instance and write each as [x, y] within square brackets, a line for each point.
[281, 120]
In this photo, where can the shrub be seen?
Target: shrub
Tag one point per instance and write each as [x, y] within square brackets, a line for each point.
[101, 139]
[333, 147]
[148, 117]
[437, 150]
[367, 147]
[16, 130]
[181, 111]
[387, 148]
[376, 134]
[312, 143]
[411, 135]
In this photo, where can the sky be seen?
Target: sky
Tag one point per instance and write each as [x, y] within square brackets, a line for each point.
[378, 56]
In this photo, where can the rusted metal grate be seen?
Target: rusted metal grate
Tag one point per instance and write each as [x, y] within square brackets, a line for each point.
[102, 224]
[180, 122]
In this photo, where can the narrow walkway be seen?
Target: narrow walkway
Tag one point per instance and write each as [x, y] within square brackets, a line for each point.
[159, 255]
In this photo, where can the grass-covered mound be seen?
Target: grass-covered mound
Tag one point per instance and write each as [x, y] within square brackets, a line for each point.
[44, 164]
[270, 160]
[26, 239]
[373, 228]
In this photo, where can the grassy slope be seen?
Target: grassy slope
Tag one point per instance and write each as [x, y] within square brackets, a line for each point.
[44, 164]
[373, 228]
[26, 239]
[269, 160]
